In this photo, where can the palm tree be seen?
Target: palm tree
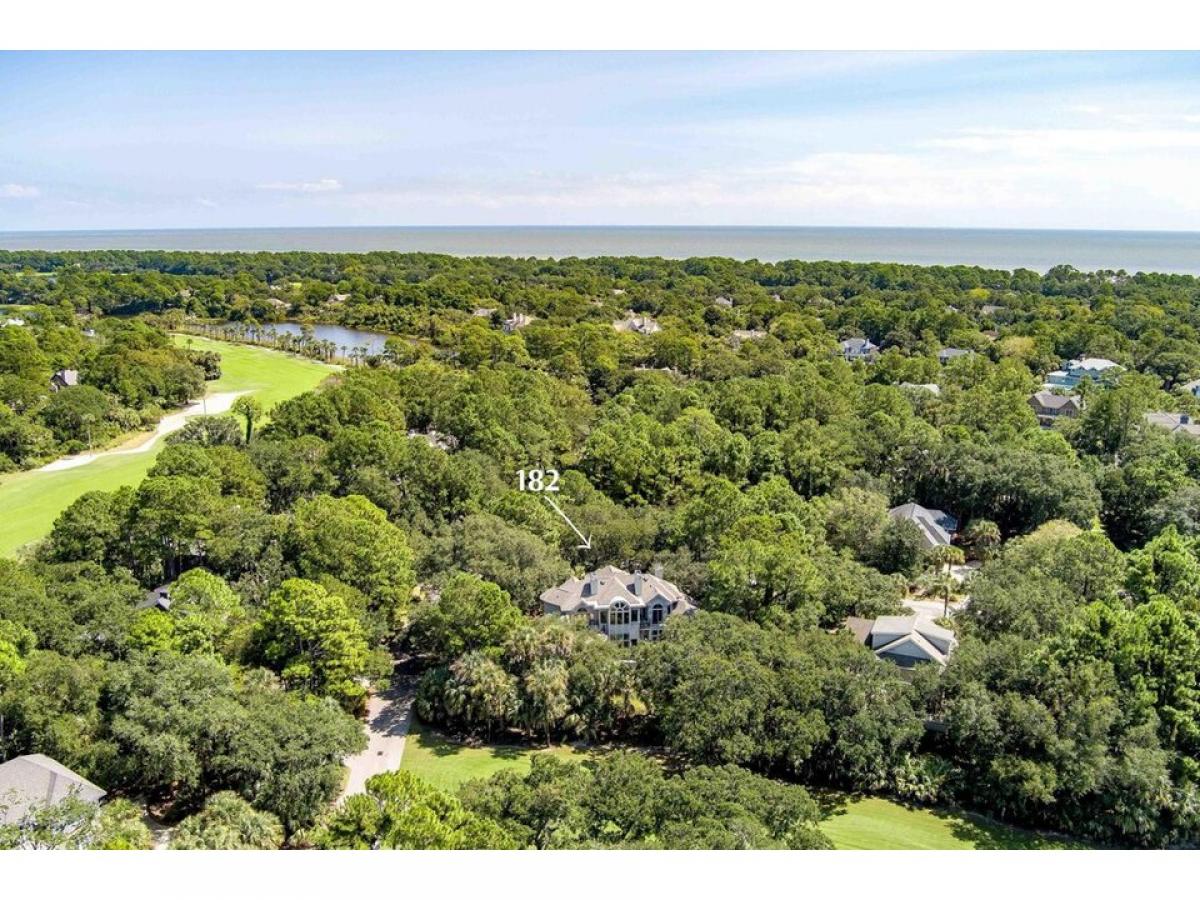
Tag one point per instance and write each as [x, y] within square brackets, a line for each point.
[940, 581]
[249, 409]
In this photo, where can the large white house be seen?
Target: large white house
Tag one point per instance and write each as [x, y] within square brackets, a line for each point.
[1076, 370]
[628, 607]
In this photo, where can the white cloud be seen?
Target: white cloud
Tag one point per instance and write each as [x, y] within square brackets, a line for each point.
[985, 179]
[321, 186]
[18, 190]
[1043, 142]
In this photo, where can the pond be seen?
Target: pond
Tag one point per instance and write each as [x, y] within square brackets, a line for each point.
[344, 339]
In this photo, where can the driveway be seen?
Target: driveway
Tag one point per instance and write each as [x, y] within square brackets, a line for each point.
[389, 715]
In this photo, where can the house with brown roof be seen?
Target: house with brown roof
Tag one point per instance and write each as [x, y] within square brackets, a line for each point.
[627, 607]
[1048, 406]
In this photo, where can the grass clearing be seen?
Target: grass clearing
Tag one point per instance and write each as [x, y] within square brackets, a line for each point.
[31, 501]
[877, 823]
[446, 763]
[851, 822]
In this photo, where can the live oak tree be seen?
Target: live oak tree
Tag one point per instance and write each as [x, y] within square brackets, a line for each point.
[398, 811]
[312, 639]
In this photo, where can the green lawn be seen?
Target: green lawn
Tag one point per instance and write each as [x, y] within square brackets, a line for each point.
[271, 375]
[852, 823]
[876, 823]
[31, 501]
[447, 764]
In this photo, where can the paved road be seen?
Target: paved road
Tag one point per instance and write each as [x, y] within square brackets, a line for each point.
[933, 608]
[389, 715]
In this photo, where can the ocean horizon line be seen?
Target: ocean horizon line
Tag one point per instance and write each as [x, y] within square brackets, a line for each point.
[593, 227]
[1037, 249]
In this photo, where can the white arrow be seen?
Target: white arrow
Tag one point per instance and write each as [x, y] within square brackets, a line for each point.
[587, 541]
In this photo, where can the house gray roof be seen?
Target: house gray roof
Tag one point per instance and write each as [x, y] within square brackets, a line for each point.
[1055, 403]
[904, 639]
[937, 528]
[66, 377]
[516, 321]
[640, 324]
[858, 345]
[601, 588]
[1175, 423]
[159, 598]
[36, 780]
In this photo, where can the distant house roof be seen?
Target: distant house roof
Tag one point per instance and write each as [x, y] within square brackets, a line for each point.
[1175, 423]
[1093, 364]
[746, 334]
[724, 302]
[65, 378]
[932, 388]
[516, 321]
[28, 782]
[1193, 387]
[483, 312]
[990, 309]
[948, 353]
[639, 324]
[904, 640]
[436, 439]
[853, 348]
[1050, 405]
[937, 528]
[605, 586]
[159, 598]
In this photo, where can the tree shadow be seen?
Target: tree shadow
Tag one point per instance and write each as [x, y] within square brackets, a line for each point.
[989, 834]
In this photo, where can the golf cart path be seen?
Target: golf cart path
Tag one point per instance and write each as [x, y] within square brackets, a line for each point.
[214, 404]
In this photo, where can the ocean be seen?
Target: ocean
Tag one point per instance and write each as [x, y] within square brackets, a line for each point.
[1133, 251]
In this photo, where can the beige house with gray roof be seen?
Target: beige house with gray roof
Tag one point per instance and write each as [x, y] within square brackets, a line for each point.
[29, 783]
[628, 607]
[905, 640]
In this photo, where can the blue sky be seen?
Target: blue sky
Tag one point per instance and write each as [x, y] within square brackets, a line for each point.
[199, 140]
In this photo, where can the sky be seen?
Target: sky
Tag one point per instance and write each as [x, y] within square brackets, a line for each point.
[105, 140]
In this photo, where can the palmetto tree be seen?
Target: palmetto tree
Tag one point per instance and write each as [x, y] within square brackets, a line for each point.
[939, 581]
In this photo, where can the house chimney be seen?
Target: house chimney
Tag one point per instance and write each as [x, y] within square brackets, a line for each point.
[593, 584]
[638, 580]
[658, 570]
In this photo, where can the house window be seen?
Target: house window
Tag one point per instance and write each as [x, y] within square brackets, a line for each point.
[656, 614]
[618, 613]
